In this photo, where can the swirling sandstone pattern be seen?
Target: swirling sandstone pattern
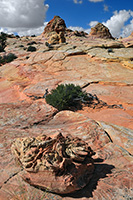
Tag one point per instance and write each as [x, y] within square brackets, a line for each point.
[60, 164]
[83, 60]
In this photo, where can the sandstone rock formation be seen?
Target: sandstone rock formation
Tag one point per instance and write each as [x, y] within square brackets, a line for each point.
[83, 61]
[57, 24]
[62, 38]
[128, 41]
[80, 33]
[60, 164]
[110, 161]
[57, 38]
[101, 31]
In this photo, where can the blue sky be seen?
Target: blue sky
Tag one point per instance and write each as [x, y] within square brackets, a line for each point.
[28, 17]
[80, 14]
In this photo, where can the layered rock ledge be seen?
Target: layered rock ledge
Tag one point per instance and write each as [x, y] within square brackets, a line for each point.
[110, 161]
[102, 67]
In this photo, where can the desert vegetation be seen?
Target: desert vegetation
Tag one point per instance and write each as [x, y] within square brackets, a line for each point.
[67, 97]
[7, 58]
[31, 48]
[3, 39]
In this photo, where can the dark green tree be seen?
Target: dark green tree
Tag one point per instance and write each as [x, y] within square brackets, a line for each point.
[3, 40]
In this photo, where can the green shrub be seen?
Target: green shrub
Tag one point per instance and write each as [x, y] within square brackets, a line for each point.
[31, 48]
[1, 49]
[1, 60]
[7, 58]
[21, 45]
[17, 36]
[67, 97]
[3, 39]
[10, 57]
[31, 43]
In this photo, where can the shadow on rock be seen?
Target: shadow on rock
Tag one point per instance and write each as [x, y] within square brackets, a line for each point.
[101, 171]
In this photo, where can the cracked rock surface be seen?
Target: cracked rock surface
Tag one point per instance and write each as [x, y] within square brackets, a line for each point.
[112, 159]
[84, 61]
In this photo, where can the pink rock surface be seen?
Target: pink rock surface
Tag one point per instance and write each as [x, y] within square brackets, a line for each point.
[122, 95]
[110, 161]
[30, 77]
[82, 61]
[61, 164]
[25, 114]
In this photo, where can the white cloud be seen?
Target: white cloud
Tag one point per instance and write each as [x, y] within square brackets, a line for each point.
[95, 1]
[127, 30]
[77, 28]
[22, 16]
[116, 23]
[78, 1]
[25, 31]
[93, 23]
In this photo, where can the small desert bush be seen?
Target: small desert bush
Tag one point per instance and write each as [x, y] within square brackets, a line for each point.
[17, 36]
[31, 43]
[7, 58]
[31, 48]
[3, 39]
[1, 49]
[67, 97]
[21, 45]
